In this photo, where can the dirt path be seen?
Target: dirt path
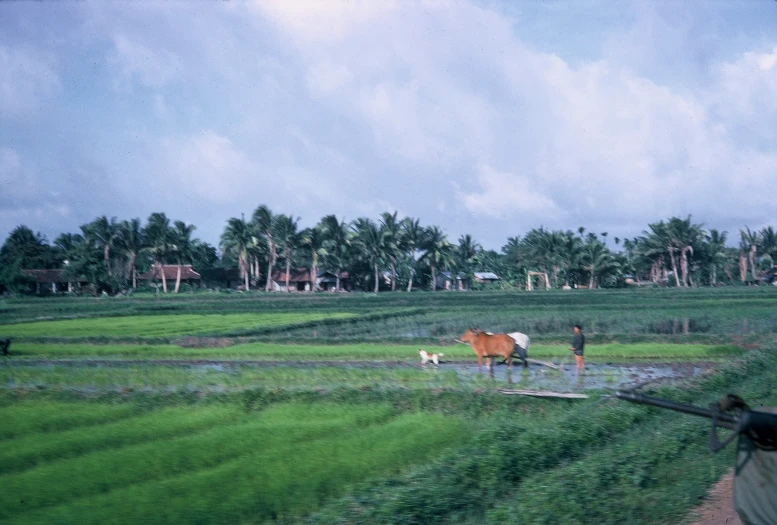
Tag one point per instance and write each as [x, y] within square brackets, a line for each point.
[718, 509]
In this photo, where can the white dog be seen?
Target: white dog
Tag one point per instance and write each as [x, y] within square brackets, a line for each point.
[426, 357]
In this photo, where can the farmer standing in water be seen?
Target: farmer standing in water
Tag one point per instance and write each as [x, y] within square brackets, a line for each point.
[578, 347]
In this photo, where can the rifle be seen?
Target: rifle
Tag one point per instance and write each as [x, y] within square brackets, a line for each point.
[730, 412]
[755, 471]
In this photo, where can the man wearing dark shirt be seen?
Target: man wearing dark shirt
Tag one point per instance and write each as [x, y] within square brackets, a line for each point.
[578, 347]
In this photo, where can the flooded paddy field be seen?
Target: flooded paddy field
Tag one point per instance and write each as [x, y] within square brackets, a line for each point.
[229, 375]
[316, 409]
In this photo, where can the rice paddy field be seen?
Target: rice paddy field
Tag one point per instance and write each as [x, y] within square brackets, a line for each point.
[275, 408]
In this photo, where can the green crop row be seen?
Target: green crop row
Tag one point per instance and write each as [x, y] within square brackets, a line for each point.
[162, 325]
[32, 450]
[50, 416]
[283, 462]
[543, 303]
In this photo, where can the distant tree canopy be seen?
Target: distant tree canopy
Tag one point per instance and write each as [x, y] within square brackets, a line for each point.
[386, 254]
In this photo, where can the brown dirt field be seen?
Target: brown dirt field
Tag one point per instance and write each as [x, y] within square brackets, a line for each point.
[718, 509]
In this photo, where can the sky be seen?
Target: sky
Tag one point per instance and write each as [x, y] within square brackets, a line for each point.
[485, 118]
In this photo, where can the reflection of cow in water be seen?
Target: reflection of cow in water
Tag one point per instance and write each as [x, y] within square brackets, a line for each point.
[4, 345]
[495, 345]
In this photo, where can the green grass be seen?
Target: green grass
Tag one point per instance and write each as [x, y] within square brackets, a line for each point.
[600, 461]
[279, 462]
[428, 317]
[35, 416]
[30, 450]
[162, 325]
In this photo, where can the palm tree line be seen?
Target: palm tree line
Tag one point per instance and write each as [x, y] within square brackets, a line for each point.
[390, 253]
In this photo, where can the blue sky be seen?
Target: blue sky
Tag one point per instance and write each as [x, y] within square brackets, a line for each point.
[487, 118]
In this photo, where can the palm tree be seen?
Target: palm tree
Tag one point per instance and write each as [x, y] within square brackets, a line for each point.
[130, 240]
[203, 255]
[235, 240]
[287, 238]
[750, 239]
[337, 243]
[570, 248]
[544, 250]
[769, 244]
[68, 245]
[313, 240]
[677, 236]
[513, 250]
[715, 251]
[256, 251]
[438, 252]
[102, 232]
[596, 259]
[512, 261]
[464, 255]
[684, 235]
[657, 244]
[74, 253]
[181, 244]
[391, 230]
[372, 242]
[264, 222]
[411, 237]
[157, 234]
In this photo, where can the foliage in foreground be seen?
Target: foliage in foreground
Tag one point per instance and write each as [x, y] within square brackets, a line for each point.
[607, 451]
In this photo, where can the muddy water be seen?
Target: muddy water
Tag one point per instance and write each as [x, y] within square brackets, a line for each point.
[596, 376]
[538, 377]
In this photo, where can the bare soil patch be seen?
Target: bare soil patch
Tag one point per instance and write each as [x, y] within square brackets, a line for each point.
[718, 508]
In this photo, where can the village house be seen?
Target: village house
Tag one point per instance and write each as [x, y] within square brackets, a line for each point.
[299, 280]
[55, 281]
[486, 277]
[445, 280]
[188, 275]
[228, 278]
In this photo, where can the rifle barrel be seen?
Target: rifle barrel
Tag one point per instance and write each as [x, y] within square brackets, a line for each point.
[724, 420]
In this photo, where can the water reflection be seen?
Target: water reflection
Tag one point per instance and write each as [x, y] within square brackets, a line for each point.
[566, 378]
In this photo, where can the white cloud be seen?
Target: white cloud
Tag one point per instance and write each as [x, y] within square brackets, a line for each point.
[747, 86]
[207, 167]
[326, 79]
[161, 109]
[324, 21]
[152, 68]
[452, 88]
[345, 107]
[26, 80]
[25, 198]
[506, 195]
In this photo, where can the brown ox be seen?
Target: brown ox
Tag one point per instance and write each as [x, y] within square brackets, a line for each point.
[490, 345]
